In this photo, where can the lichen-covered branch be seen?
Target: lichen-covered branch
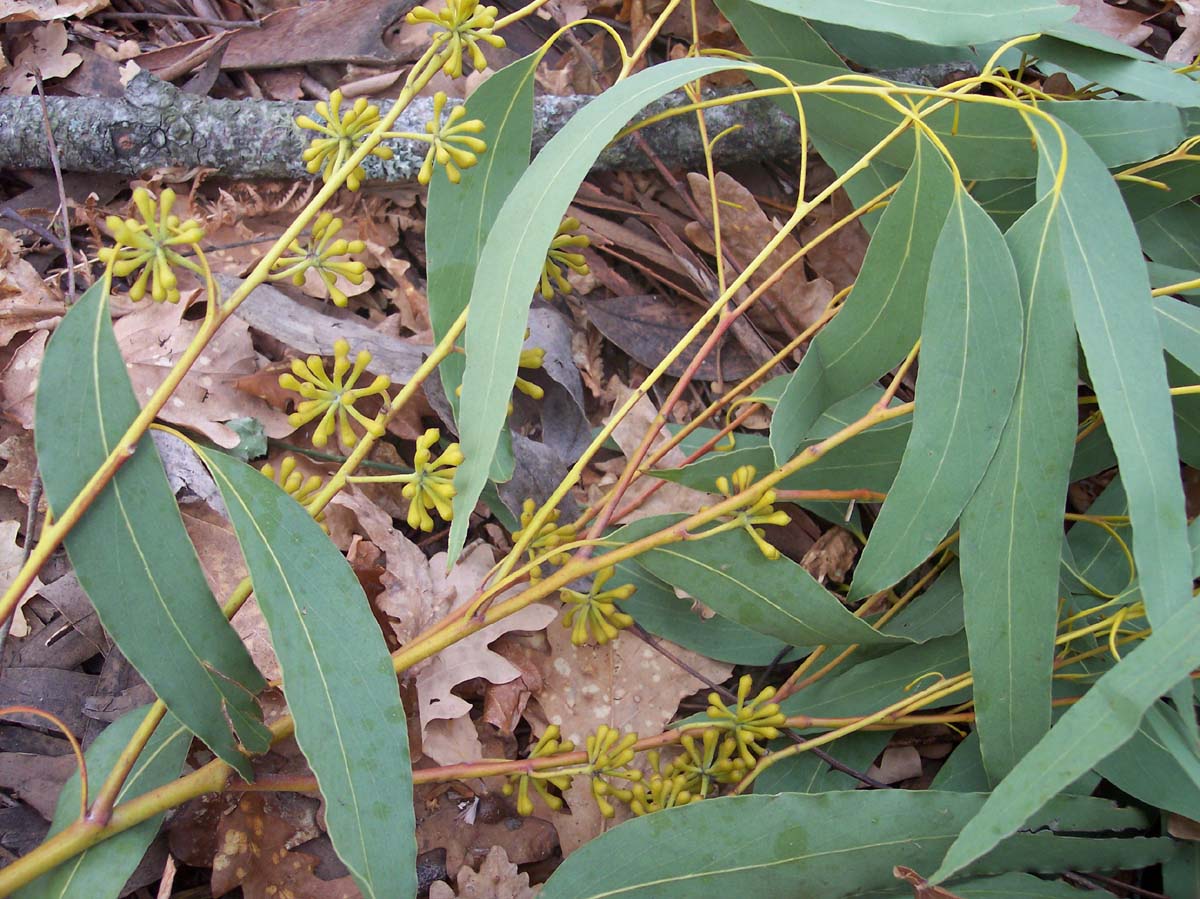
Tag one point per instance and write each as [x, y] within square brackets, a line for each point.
[155, 124]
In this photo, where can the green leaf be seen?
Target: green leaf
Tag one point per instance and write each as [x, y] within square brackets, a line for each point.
[933, 21]
[876, 683]
[778, 598]
[512, 260]
[1090, 730]
[881, 318]
[938, 612]
[1166, 275]
[337, 676]
[656, 608]
[806, 773]
[459, 216]
[252, 438]
[1012, 526]
[102, 871]
[130, 549]
[1180, 177]
[1005, 200]
[970, 357]
[1181, 874]
[1105, 60]
[1124, 350]
[1157, 766]
[1169, 236]
[718, 846]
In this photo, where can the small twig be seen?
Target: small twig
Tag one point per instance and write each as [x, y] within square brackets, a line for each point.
[1099, 882]
[173, 17]
[40, 230]
[52, 147]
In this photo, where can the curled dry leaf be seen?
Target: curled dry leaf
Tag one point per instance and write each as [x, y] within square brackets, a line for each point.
[26, 304]
[47, 10]
[497, 878]
[471, 657]
[42, 50]
[831, 556]
[12, 557]
[1126, 25]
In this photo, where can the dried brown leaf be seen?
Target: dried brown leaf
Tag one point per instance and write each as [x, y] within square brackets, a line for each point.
[152, 340]
[625, 684]
[1126, 25]
[47, 10]
[42, 50]
[252, 854]
[26, 304]
[471, 657]
[497, 878]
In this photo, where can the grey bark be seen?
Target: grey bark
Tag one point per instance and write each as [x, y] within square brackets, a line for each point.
[155, 124]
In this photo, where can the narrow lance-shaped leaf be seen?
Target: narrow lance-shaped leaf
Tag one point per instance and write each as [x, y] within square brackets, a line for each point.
[881, 318]
[934, 21]
[970, 356]
[1105, 60]
[1104, 719]
[102, 871]
[337, 676]
[512, 261]
[819, 841]
[776, 597]
[1110, 294]
[1012, 526]
[130, 550]
[459, 216]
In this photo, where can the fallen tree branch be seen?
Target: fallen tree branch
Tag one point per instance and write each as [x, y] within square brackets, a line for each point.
[155, 124]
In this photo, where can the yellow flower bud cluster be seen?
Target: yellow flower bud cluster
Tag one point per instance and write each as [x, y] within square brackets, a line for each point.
[343, 135]
[549, 537]
[760, 510]
[749, 721]
[332, 396]
[457, 32]
[548, 745]
[319, 254]
[595, 613]
[150, 243]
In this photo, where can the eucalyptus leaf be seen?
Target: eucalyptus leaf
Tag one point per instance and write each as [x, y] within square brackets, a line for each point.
[459, 216]
[512, 259]
[337, 676]
[881, 319]
[933, 21]
[818, 840]
[102, 871]
[1116, 324]
[971, 339]
[1011, 527]
[130, 550]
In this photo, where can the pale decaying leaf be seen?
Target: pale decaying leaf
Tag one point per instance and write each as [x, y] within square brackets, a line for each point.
[465, 660]
[625, 684]
[1187, 45]
[12, 557]
[154, 337]
[43, 50]
[26, 304]
[1126, 25]
[18, 385]
[47, 10]
[497, 878]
